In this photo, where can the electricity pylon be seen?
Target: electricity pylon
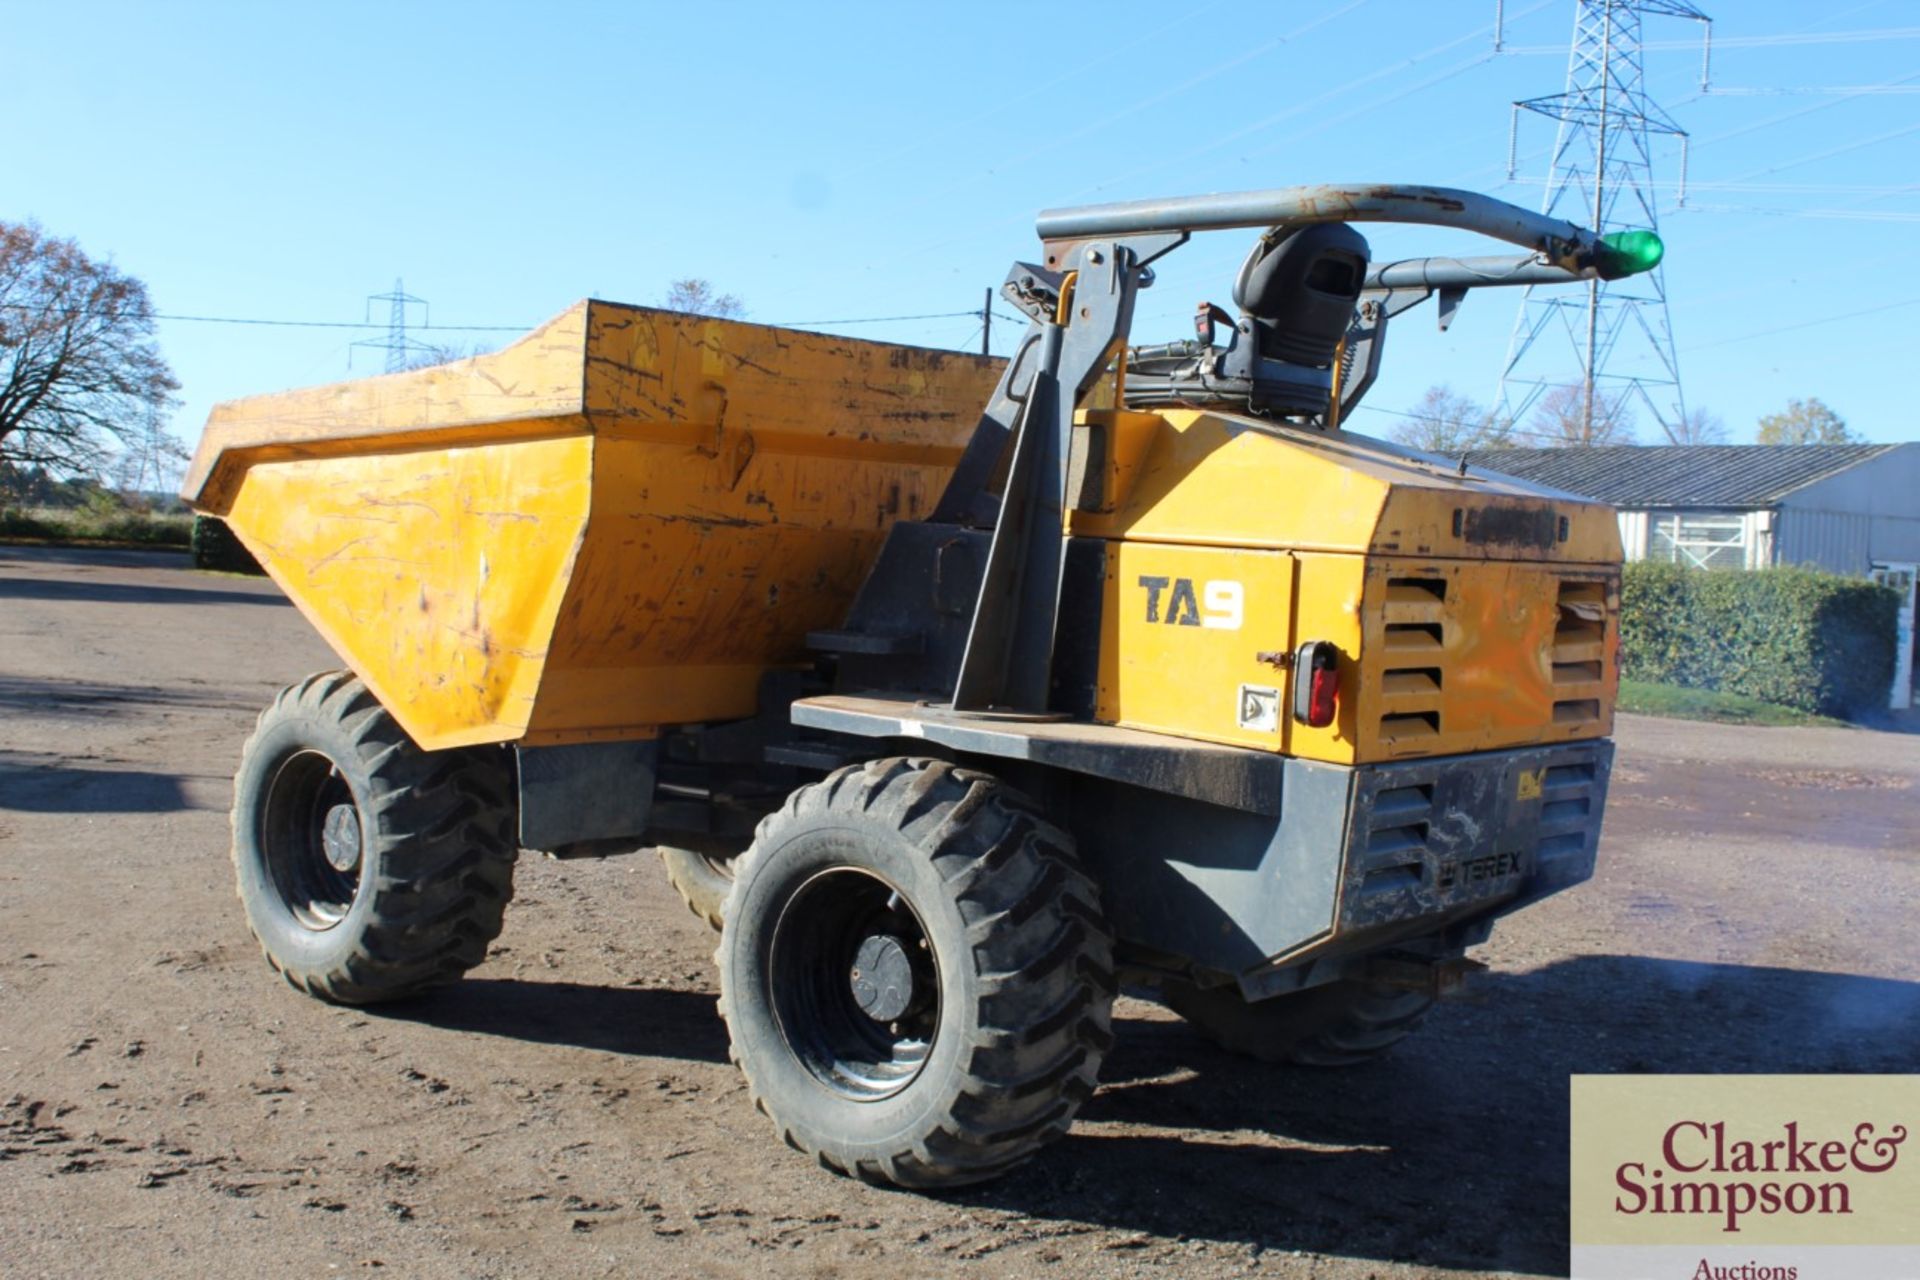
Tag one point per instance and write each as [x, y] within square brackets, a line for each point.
[396, 344]
[1620, 337]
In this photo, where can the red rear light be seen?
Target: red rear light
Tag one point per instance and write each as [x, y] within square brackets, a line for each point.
[1320, 703]
[1316, 683]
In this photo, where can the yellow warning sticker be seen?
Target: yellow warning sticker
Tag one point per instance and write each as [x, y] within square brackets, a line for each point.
[1529, 787]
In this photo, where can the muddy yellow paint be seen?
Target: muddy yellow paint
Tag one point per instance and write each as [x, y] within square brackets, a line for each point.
[1177, 657]
[618, 523]
[1497, 625]
[1448, 640]
[1211, 479]
[441, 595]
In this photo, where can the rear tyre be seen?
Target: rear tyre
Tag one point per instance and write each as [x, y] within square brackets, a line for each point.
[370, 870]
[703, 880]
[1339, 1024]
[915, 974]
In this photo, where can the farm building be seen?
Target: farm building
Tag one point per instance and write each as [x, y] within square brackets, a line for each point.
[1846, 508]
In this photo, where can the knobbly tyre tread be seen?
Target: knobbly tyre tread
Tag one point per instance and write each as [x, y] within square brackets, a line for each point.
[699, 885]
[441, 841]
[1340, 1024]
[1039, 944]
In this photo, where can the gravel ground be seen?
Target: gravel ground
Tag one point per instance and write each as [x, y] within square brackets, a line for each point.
[170, 1109]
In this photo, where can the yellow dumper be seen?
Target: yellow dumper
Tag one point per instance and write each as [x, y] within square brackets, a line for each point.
[954, 690]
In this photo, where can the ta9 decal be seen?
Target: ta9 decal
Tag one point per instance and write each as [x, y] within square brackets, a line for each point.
[1220, 604]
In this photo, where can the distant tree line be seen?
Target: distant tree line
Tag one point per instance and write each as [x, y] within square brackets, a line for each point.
[1445, 421]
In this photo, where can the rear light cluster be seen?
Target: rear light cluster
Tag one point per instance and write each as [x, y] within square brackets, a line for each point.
[1316, 683]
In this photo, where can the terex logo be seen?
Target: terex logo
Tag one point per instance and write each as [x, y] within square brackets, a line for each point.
[1174, 602]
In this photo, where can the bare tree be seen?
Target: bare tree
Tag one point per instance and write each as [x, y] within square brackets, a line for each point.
[1700, 426]
[1562, 420]
[1806, 422]
[697, 296]
[79, 366]
[1444, 421]
[426, 354]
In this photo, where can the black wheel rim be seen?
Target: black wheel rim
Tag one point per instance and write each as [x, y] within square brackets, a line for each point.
[312, 839]
[864, 1033]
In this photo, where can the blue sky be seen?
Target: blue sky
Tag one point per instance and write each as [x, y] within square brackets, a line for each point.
[835, 162]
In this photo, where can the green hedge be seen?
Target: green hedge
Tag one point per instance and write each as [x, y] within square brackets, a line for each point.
[1796, 637]
[215, 547]
[120, 527]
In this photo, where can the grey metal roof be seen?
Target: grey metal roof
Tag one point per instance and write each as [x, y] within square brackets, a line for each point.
[1701, 475]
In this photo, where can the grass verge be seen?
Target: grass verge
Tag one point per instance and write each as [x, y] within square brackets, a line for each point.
[1648, 699]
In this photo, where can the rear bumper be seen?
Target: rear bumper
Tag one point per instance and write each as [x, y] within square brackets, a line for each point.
[1434, 851]
[1414, 857]
[1417, 856]
[1431, 839]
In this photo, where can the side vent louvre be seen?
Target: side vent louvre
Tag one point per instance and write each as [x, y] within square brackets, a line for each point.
[1415, 643]
[1413, 637]
[1417, 724]
[1395, 855]
[1568, 799]
[1410, 681]
[1416, 591]
[1579, 649]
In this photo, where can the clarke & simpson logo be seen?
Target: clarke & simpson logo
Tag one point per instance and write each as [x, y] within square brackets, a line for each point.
[1702, 1171]
[1744, 1178]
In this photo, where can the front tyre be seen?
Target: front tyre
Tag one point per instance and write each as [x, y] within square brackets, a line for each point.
[370, 870]
[915, 974]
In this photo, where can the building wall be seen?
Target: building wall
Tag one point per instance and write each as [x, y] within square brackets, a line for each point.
[1633, 534]
[1838, 541]
[1866, 514]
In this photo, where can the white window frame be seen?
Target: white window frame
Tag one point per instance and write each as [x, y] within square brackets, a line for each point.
[1701, 539]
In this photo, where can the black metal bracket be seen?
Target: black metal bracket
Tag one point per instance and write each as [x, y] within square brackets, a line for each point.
[1009, 654]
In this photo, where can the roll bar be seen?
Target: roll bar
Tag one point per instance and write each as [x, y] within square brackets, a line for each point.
[1563, 244]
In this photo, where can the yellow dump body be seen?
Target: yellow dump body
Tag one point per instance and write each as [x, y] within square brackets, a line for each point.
[617, 523]
[1473, 612]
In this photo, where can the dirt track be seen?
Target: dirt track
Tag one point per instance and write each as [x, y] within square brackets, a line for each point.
[171, 1110]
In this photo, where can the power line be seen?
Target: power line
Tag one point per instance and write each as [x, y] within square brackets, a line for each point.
[1393, 71]
[1824, 215]
[1829, 153]
[1014, 223]
[1790, 328]
[1748, 42]
[1842, 90]
[1513, 430]
[1185, 20]
[804, 324]
[1808, 324]
[75, 313]
[1768, 188]
[1900, 84]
